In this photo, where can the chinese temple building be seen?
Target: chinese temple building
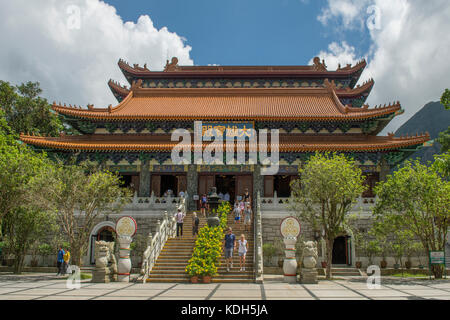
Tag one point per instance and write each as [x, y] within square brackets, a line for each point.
[315, 110]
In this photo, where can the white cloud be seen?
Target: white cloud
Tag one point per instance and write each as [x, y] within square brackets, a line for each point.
[409, 53]
[40, 43]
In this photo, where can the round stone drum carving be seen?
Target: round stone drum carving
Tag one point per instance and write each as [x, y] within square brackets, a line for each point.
[290, 227]
[126, 226]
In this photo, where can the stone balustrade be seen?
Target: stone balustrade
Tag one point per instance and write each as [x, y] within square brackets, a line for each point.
[258, 256]
[153, 203]
[165, 229]
[282, 204]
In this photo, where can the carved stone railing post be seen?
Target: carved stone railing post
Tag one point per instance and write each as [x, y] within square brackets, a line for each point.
[258, 254]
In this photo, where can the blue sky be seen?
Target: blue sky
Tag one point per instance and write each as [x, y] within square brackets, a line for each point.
[250, 32]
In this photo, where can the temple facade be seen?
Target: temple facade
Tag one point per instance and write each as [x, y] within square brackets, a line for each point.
[314, 109]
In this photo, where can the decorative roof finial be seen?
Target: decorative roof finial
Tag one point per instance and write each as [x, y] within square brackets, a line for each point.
[319, 66]
[172, 66]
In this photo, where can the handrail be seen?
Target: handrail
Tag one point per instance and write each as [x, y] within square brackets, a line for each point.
[258, 256]
[164, 230]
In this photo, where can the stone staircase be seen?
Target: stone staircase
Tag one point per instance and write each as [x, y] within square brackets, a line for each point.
[234, 275]
[172, 261]
[174, 257]
[345, 272]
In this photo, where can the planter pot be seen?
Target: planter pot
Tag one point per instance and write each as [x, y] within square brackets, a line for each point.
[408, 264]
[324, 264]
[383, 264]
[194, 279]
[358, 264]
[206, 279]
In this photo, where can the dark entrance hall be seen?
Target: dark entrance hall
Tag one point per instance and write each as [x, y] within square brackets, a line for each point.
[340, 250]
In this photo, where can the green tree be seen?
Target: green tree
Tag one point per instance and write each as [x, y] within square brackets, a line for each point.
[420, 199]
[26, 111]
[19, 166]
[444, 137]
[80, 194]
[25, 226]
[329, 185]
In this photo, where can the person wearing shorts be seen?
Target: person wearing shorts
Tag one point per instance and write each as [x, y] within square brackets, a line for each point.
[229, 245]
[243, 248]
[237, 212]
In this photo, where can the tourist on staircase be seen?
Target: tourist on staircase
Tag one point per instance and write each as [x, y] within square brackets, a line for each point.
[195, 224]
[229, 244]
[237, 211]
[247, 217]
[243, 248]
[203, 205]
[179, 217]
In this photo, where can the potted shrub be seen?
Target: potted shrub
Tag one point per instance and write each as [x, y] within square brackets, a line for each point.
[209, 269]
[193, 269]
[279, 251]
[385, 248]
[269, 251]
[372, 249]
[398, 251]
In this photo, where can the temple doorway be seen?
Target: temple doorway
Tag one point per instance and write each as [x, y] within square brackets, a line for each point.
[104, 231]
[226, 184]
[130, 181]
[340, 250]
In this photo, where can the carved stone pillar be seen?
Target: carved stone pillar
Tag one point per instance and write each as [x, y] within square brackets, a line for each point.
[258, 181]
[192, 186]
[144, 179]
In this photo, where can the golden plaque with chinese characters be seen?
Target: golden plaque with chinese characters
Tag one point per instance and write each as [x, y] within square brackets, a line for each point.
[126, 226]
[290, 227]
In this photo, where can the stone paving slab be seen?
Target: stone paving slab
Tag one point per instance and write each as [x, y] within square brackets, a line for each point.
[134, 293]
[343, 293]
[48, 287]
[186, 293]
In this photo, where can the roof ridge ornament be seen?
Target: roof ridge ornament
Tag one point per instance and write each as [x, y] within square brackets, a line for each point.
[172, 66]
[136, 85]
[319, 66]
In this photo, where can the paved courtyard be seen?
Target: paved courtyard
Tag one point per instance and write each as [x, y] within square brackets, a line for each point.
[48, 287]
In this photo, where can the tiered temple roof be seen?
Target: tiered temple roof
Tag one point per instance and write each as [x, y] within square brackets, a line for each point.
[290, 104]
[316, 107]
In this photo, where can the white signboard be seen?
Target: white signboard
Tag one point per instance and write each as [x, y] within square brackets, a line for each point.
[437, 257]
[126, 226]
[290, 227]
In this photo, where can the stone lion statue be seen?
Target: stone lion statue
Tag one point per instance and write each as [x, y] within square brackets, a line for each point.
[105, 261]
[310, 254]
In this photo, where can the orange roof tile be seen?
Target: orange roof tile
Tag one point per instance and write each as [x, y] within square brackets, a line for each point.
[308, 104]
[154, 143]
